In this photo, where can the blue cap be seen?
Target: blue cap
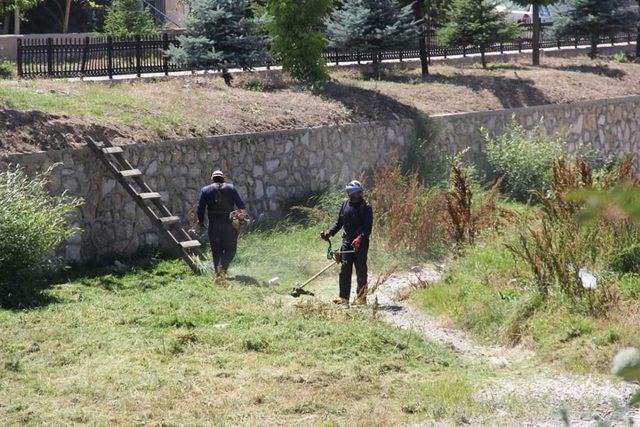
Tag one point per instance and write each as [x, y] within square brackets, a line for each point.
[353, 187]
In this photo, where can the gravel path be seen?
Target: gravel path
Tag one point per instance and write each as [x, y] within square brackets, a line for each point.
[544, 387]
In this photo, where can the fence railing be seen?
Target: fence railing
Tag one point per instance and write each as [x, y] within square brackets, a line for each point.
[110, 56]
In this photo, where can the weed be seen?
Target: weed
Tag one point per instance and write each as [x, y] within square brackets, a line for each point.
[7, 70]
[524, 158]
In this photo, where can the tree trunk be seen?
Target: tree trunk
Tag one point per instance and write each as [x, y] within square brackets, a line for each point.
[483, 51]
[595, 39]
[536, 34]
[16, 20]
[418, 13]
[6, 24]
[67, 11]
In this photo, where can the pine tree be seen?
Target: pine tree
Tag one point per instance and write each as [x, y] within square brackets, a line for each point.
[537, 27]
[222, 34]
[295, 26]
[477, 23]
[127, 18]
[595, 18]
[371, 25]
[426, 14]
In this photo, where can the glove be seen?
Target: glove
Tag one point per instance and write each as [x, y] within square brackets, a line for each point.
[357, 242]
[325, 235]
[338, 258]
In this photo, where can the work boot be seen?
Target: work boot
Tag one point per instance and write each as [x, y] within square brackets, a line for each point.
[342, 301]
[361, 299]
[221, 276]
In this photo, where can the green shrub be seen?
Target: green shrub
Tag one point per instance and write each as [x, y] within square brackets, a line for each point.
[295, 27]
[627, 260]
[7, 70]
[32, 224]
[525, 158]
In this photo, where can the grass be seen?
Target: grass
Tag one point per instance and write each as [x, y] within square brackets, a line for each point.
[161, 346]
[487, 292]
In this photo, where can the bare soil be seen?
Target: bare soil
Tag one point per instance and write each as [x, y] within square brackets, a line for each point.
[53, 114]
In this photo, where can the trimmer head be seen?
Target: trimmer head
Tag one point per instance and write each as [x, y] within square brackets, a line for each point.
[298, 292]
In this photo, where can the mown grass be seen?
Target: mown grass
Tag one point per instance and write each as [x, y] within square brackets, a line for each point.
[487, 292]
[161, 346]
[98, 102]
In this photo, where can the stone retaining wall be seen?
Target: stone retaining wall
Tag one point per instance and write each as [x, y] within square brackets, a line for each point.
[611, 127]
[269, 169]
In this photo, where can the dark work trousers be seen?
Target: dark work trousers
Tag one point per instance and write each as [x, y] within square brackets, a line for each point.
[359, 260]
[224, 243]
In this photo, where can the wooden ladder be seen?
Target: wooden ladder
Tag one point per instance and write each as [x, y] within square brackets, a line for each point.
[149, 201]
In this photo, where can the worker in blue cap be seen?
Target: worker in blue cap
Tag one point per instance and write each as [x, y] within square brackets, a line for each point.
[356, 220]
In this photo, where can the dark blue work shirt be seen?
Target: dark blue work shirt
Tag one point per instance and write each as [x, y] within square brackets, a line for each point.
[356, 219]
[219, 199]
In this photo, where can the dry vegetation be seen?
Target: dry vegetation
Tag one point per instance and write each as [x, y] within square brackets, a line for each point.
[45, 114]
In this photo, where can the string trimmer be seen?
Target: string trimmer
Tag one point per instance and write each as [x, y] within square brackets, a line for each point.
[335, 256]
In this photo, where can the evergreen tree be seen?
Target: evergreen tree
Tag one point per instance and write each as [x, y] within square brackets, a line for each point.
[537, 27]
[427, 14]
[595, 18]
[371, 25]
[127, 18]
[222, 34]
[296, 29]
[477, 23]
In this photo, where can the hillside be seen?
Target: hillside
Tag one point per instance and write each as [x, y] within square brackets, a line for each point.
[51, 114]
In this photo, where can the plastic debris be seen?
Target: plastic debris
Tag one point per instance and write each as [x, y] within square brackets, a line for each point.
[589, 281]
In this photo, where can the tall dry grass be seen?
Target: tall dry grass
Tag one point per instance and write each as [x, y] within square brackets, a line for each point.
[557, 244]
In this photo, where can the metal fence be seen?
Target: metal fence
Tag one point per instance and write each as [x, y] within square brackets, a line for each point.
[109, 56]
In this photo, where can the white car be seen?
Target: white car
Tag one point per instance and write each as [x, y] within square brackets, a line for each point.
[524, 15]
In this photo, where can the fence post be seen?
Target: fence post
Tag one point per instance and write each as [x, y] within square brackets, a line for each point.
[83, 65]
[49, 56]
[165, 58]
[400, 55]
[358, 57]
[559, 44]
[501, 47]
[520, 46]
[138, 56]
[464, 51]
[576, 41]
[628, 37]
[19, 58]
[110, 56]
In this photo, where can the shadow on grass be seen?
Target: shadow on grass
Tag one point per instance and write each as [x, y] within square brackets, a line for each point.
[512, 92]
[599, 70]
[367, 104]
[26, 295]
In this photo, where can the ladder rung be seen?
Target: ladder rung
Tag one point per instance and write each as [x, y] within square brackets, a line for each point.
[190, 244]
[169, 220]
[148, 196]
[112, 150]
[130, 173]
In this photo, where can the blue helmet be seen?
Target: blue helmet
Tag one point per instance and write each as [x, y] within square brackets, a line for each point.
[354, 187]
